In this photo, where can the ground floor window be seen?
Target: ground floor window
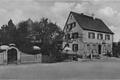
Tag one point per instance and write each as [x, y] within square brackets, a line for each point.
[75, 47]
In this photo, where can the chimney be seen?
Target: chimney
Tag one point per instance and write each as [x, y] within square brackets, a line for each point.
[82, 13]
[93, 15]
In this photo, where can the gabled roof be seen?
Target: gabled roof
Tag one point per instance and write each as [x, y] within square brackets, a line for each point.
[90, 23]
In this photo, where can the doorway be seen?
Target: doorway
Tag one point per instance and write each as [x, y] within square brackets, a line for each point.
[12, 56]
[99, 49]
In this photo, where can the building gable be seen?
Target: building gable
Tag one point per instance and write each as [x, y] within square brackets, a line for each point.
[72, 21]
[65, 27]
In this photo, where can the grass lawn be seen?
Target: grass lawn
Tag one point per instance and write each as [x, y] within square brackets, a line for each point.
[88, 70]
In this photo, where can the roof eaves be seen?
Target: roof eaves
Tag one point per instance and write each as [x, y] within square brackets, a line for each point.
[98, 31]
[110, 32]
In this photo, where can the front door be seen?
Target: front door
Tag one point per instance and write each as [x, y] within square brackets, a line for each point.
[12, 56]
[99, 49]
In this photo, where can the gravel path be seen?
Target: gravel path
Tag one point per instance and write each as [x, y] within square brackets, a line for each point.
[87, 70]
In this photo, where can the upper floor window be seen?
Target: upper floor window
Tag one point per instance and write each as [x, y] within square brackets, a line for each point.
[99, 36]
[74, 24]
[70, 26]
[75, 47]
[67, 36]
[107, 37]
[91, 35]
[75, 35]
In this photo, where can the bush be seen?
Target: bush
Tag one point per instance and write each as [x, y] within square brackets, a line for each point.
[61, 57]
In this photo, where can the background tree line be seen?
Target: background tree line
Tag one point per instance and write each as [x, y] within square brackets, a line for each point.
[116, 49]
[26, 34]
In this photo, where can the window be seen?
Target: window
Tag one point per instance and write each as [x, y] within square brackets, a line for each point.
[67, 45]
[107, 37]
[75, 35]
[67, 27]
[100, 36]
[91, 35]
[70, 26]
[75, 47]
[67, 36]
[73, 24]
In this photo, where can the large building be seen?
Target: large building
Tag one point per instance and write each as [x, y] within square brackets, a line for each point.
[86, 35]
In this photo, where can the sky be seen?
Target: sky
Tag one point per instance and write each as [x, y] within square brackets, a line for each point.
[58, 11]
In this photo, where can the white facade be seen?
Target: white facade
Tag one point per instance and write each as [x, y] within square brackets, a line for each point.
[85, 44]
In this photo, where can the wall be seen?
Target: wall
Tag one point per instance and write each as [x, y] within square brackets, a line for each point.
[71, 19]
[86, 39]
[27, 58]
[83, 42]
[22, 58]
[105, 47]
[2, 58]
[78, 29]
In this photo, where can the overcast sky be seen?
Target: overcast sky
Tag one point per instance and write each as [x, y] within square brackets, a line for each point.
[58, 10]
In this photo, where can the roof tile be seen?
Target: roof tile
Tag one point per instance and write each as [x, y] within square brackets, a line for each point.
[90, 23]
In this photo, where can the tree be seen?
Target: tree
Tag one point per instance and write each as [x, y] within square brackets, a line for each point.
[11, 31]
[8, 33]
[47, 32]
[22, 42]
[51, 34]
[116, 49]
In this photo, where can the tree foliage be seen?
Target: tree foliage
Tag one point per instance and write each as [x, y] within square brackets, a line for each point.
[116, 49]
[26, 34]
[8, 33]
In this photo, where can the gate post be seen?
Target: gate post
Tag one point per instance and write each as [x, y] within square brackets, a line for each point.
[5, 58]
[18, 57]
